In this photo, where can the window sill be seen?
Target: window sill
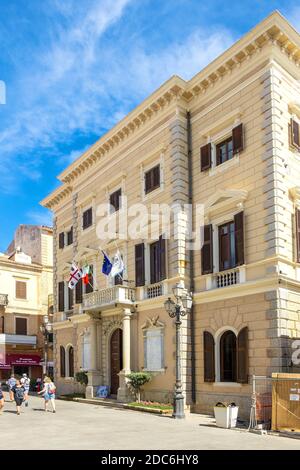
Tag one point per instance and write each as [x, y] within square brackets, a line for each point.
[156, 372]
[215, 170]
[228, 384]
[87, 229]
[147, 196]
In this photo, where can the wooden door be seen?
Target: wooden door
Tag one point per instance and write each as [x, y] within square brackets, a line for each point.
[116, 360]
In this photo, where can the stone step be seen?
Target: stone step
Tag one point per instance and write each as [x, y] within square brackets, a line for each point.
[109, 402]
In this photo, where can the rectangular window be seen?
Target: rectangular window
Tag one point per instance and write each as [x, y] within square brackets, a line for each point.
[224, 151]
[70, 298]
[157, 261]
[114, 200]
[154, 349]
[21, 326]
[87, 218]
[21, 290]
[70, 237]
[78, 292]
[152, 179]
[227, 258]
[61, 240]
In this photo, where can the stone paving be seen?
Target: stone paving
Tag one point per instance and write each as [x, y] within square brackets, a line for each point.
[87, 426]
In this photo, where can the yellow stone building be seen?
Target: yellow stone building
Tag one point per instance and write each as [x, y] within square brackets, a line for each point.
[26, 293]
[226, 141]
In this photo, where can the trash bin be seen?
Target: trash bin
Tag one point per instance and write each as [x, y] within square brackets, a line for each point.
[226, 415]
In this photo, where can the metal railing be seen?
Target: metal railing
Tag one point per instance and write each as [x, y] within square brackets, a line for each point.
[154, 290]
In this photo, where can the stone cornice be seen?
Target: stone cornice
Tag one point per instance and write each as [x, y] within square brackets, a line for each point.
[274, 30]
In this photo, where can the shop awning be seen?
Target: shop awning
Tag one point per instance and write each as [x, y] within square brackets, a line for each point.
[20, 360]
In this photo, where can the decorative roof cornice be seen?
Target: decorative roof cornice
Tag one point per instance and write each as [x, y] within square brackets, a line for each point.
[274, 30]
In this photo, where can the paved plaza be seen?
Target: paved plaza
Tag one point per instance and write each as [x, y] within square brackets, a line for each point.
[86, 426]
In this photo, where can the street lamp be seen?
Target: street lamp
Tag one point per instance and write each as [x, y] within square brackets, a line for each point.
[46, 329]
[176, 310]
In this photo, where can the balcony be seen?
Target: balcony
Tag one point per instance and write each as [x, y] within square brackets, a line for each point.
[18, 339]
[3, 300]
[109, 297]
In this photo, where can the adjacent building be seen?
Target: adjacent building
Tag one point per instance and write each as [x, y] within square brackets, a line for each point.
[26, 288]
[226, 141]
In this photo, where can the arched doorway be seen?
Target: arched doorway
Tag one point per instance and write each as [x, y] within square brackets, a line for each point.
[116, 359]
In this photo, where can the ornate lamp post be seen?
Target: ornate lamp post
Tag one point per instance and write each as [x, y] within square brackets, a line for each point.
[176, 310]
[46, 329]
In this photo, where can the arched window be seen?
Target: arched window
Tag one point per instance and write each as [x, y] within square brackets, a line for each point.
[62, 361]
[228, 357]
[71, 361]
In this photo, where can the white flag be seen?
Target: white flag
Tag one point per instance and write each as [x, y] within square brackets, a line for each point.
[75, 275]
[117, 265]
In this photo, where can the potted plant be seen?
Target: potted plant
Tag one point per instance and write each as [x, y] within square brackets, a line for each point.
[226, 414]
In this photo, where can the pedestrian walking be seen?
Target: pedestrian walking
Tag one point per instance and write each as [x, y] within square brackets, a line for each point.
[25, 381]
[48, 393]
[11, 382]
[1, 399]
[19, 395]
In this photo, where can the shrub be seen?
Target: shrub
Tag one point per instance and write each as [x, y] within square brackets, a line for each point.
[136, 381]
[82, 377]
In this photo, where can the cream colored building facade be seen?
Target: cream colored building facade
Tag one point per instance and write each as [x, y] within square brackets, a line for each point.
[222, 140]
[25, 290]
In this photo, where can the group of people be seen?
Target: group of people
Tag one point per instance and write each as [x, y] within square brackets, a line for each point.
[19, 392]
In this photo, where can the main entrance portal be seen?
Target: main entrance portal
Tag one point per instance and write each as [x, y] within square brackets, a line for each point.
[116, 360]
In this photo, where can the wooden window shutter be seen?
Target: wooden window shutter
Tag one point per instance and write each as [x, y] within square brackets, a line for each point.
[205, 156]
[140, 264]
[87, 218]
[71, 362]
[156, 176]
[207, 250]
[237, 139]
[61, 238]
[70, 298]
[70, 236]
[21, 290]
[62, 361]
[162, 258]
[61, 296]
[209, 357]
[239, 238]
[242, 356]
[78, 292]
[298, 234]
[294, 134]
[21, 326]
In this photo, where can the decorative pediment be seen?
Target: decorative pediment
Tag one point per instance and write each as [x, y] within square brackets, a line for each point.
[223, 198]
[85, 252]
[153, 322]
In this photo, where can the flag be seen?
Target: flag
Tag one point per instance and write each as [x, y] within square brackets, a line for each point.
[106, 265]
[85, 274]
[75, 275]
[117, 266]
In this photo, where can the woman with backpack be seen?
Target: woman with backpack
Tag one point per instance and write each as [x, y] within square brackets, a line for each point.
[48, 393]
[19, 394]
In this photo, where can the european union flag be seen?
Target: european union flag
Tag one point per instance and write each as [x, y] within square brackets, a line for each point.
[107, 265]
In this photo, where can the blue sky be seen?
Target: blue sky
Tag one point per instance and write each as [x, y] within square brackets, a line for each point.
[73, 68]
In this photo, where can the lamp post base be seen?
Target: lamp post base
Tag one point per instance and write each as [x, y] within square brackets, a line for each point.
[178, 410]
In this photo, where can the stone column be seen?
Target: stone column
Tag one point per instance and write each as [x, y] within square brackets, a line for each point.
[124, 394]
[93, 373]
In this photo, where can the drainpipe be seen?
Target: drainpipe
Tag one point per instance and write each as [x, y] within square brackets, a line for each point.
[191, 255]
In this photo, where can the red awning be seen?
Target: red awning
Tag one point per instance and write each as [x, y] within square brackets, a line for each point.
[20, 360]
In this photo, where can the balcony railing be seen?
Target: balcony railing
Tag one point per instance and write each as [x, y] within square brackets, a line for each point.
[3, 299]
[108, 297]
[227, 278]
[18, 339]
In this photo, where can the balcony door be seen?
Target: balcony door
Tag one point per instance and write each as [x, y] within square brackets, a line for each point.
[116, 359]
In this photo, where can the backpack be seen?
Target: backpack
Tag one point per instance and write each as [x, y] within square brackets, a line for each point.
[51, 388]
